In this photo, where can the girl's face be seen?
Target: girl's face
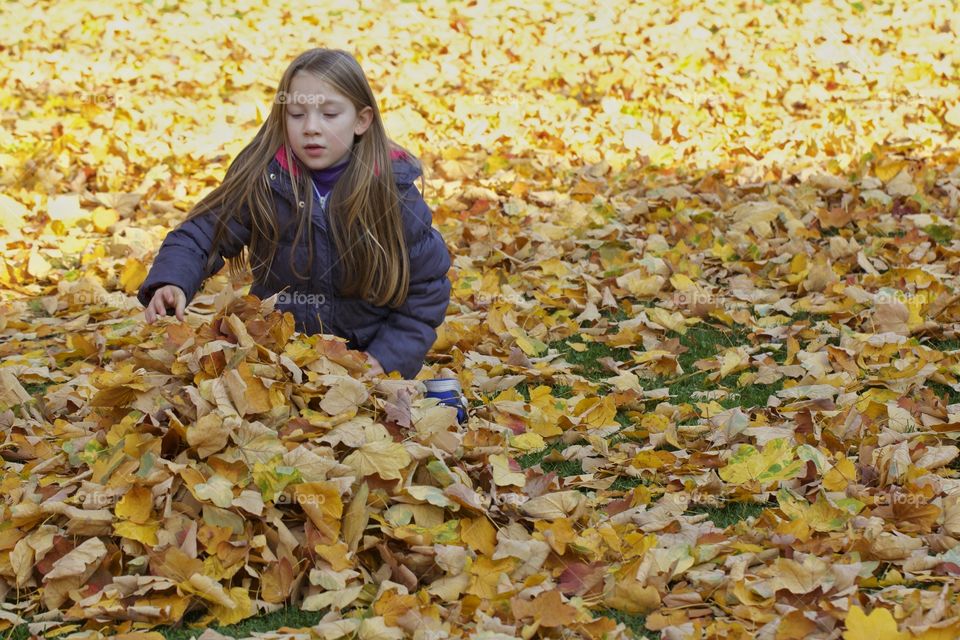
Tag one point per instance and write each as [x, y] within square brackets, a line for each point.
[321, 121]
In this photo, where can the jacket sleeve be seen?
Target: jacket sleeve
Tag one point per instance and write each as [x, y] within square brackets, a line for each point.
[182, 258]
[409, 331]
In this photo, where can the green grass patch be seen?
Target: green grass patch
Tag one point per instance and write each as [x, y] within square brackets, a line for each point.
[36, 307]
[633, 621]
[562, 468]
[939, 233]
[752, 395]
[623, 419]
[943, 345]
[626, 483]
[20, 632]
[947, 393]
[561, 391]
[38, 388]
[557, 391]
[620, 314]
[812, 317]
[585, 363]
[730, 513]
[287, 617]
[701, 342]
[747, 397]
[704, 341]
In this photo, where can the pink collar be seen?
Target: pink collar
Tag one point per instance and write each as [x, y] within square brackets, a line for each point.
[281, 157]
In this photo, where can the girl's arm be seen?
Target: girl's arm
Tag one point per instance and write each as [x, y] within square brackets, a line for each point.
[182, 257]
[410, 330]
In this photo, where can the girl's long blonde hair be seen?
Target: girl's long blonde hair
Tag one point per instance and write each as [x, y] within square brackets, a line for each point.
[364, 209]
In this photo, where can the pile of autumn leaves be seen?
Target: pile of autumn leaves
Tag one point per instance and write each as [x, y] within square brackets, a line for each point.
[229, 466]
[233, 467]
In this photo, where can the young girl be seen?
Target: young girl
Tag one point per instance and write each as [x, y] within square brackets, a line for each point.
[325, 206]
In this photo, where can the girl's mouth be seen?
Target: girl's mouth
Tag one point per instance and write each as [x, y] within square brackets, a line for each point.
[313, 149]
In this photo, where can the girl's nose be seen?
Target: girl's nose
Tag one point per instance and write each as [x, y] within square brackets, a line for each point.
[313, 122]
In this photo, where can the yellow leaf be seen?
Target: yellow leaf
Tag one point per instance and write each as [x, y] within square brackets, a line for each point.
[207, 588]
[103, 218]
[554, 267]
[552, 506]
[66, 209]
[322, 504]
[356, 518]
[631, 596]
[558, 533]
[638, 284]
[840, 475]
[953, 115]
[528, 441]
[376, 629]
[503, 475]
[135, 505]
[529, 345]
[81, 562]
[132, 276]
[12, 215]
[681, 282]
[733, 360]
[247, 391]
[37, 265]
[479, 534]
[879, 624]
[941, 633]
[337, 555]
[240, 607]
[383, 457]
[276, 581]
[145, 533]
[673, 321]
[217, 489]
[777, 462]
[345, 394]
[725, 252]
[596, 412]
[208, 434]
[885, 171]
[546, 609]
[486, 576]
[653, 459]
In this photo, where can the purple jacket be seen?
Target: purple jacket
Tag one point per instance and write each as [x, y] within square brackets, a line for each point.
[398, 338]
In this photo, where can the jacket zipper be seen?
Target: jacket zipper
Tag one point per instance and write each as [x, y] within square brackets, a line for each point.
[323, 211]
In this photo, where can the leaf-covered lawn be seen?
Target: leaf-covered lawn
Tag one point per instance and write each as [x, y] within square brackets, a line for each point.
[705, 310]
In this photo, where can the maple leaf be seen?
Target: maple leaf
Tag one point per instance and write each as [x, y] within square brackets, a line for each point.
[878, 624]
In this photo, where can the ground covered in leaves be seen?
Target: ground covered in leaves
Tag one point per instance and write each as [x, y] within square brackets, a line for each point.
[704, 308]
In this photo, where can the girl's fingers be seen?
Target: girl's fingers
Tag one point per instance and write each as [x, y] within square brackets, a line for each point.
[168, 297]
[158, 306]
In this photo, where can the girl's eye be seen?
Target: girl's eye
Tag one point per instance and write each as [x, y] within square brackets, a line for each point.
[331, 115]
[296, 115]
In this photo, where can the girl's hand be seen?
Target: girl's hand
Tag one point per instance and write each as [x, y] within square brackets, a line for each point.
[169, 296]
[375, 368]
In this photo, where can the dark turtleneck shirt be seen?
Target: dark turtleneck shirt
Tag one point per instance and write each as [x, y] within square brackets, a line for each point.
[324, 179]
